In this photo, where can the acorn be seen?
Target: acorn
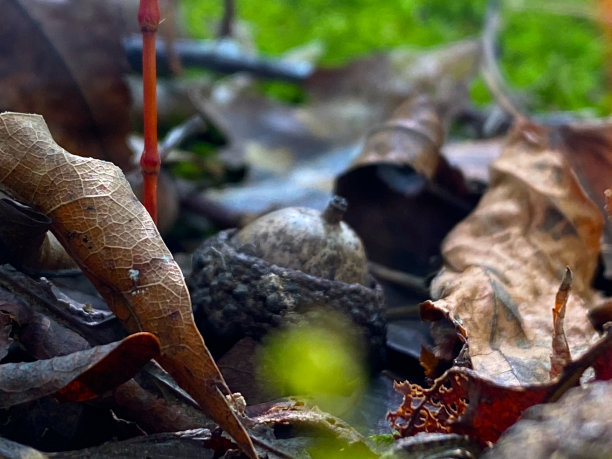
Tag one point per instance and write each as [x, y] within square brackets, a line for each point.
[278, 269]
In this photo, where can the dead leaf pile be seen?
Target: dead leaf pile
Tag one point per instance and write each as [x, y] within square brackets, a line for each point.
[503, 267]
[464, 402]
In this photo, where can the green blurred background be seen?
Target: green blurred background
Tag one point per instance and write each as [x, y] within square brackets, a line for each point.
[553, 51]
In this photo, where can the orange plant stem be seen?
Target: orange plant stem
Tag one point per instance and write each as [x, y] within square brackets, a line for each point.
[148, 18]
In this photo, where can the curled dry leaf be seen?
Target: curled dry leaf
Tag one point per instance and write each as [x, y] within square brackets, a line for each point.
[560, 355]
[504, 262]
[79, 376]
[25, 240]
[400, 176]
[108, 232]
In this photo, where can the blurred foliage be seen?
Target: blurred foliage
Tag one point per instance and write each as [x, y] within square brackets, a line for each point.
[554, 51]
[323, 362]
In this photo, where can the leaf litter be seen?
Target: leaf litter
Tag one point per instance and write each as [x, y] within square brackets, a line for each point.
[534, 228]
[503, 264]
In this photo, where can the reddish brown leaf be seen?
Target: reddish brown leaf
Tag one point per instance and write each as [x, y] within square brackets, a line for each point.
[561, 355]
[576, 426]
[80, 376]
[74, 79]
[461, 401]
[503, 262]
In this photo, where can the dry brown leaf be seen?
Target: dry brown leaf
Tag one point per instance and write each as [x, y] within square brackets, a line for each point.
[504, 262]
[74, 79]
[110, 235]
[560, 354]
[79, 376]
[400, 176]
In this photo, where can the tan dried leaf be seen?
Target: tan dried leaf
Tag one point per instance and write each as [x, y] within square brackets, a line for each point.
[504, 262]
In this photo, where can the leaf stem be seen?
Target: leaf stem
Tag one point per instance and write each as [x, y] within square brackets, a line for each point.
[149, 17]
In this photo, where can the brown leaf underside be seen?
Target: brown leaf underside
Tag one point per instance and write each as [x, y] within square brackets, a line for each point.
[79, 376]
[108, 232]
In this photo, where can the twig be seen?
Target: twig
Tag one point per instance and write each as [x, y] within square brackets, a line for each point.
[490, 70]
[177, 135]
[148, 19]
[226, 27]
[410, 281]
[213, 56]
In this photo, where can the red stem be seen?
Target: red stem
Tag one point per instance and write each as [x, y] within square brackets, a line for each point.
[148, 17]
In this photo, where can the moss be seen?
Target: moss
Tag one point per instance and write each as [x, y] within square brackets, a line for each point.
[549, 49]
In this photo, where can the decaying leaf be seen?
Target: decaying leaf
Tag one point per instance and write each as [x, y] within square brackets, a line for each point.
[462, 401]
[298, 417]
[400, 176]
[192, 443]
[108, 232]
[80, 376]
[59, 322]
[504, 262]
[578, 425]
[38, 334]
[75, 80]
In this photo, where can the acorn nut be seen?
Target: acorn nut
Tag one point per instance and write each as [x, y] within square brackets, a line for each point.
[319, 244]
[277, 269]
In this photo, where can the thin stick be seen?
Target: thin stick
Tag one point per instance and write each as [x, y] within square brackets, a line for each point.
[148, 18]
[489, 69]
